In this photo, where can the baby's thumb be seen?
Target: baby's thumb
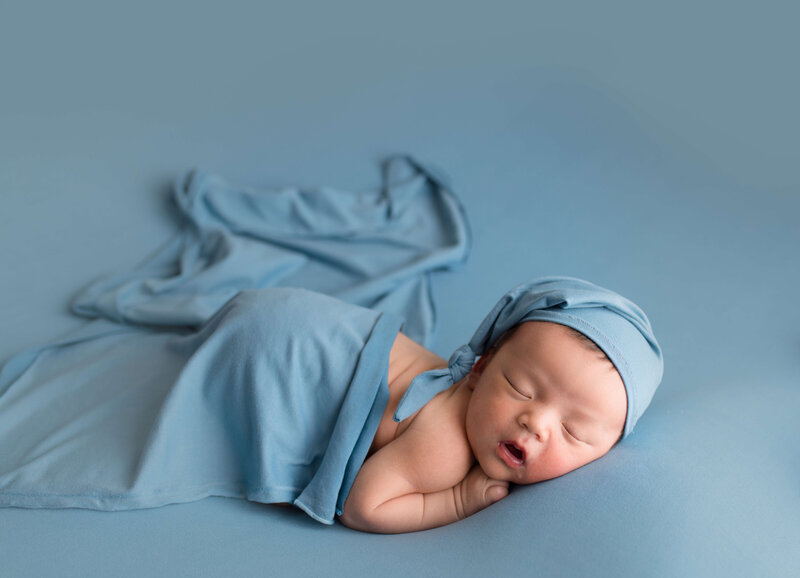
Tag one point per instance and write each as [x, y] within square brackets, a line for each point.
[496, 493]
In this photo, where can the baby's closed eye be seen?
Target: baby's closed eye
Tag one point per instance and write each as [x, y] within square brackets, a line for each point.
[516, 389]
[572, 433]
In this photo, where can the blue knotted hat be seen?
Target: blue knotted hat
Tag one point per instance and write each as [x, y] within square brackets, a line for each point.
[618, 326]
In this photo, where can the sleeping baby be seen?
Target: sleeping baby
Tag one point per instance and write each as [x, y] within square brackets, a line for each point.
[565, 370]
[290, 396]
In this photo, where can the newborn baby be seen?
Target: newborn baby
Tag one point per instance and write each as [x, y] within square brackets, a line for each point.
[290, 396]
[565, 370]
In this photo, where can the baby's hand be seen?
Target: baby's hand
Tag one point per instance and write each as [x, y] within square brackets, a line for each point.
[477, 490]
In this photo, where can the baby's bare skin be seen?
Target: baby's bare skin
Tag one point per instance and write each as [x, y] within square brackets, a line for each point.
[536, 408]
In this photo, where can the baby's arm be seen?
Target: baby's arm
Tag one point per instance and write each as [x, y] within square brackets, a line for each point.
[418, 481]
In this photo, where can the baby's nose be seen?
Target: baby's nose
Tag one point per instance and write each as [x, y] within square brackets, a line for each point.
[536, 423]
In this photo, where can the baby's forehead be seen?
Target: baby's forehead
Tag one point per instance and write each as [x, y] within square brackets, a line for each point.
[534, 332]
[557, 342]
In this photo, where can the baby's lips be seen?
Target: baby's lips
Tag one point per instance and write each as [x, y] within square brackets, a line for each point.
[521, 448]
[512, 453]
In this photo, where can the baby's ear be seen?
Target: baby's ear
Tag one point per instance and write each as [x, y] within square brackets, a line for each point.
[477, 369]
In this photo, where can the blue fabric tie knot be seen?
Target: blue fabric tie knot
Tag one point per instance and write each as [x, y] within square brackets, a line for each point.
[461, 362]
[428, 384]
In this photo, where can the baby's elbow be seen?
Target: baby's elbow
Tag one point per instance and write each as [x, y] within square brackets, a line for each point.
[351, 521]
[356, 515]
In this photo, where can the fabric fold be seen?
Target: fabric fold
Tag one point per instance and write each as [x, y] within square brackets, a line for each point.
[364, 248]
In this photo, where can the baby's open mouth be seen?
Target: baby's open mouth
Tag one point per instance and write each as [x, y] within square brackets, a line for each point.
[512, 453]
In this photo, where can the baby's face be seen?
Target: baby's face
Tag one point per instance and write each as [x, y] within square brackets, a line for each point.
[543, 405]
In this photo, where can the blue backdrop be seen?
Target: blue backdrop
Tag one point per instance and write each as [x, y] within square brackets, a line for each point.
[648, 148]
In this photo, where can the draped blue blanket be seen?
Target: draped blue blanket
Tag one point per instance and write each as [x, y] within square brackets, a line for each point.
[195, 379]
[374, 249]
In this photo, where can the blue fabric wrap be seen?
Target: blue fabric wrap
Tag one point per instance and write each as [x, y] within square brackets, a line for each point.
[275, 399]
[618, 326]
[206, 371]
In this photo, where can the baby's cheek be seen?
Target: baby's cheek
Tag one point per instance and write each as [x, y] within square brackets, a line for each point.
[488, 417]
[552, 464]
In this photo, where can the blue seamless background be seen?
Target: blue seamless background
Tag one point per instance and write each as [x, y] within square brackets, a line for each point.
[649, 148]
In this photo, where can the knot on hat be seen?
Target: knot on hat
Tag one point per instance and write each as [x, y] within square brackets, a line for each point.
[423, 387]
[461, 362]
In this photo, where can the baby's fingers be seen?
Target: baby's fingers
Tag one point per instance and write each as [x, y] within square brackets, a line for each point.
[496, 492]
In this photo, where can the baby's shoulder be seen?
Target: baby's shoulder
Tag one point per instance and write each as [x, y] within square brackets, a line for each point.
[442, 423]
[446, 410]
